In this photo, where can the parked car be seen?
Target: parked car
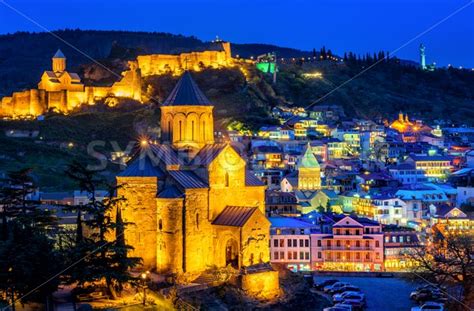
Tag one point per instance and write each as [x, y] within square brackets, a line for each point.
[349, 288]
[335, 286]
[428, 294]
[347, 295]
[429, 306]
[345, 307]
[357, 304]
[337, 308]
[321, 285]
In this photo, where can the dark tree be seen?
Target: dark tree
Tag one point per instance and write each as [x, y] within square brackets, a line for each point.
[448, 261]
[104, 252]
[27, 255]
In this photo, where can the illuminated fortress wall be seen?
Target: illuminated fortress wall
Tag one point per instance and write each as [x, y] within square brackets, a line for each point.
[63, 91]
[155, 64]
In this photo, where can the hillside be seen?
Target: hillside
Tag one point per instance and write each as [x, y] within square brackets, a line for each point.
[24, 56]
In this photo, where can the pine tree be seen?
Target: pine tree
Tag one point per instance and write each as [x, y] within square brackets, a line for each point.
[27, 254]
[105, 255]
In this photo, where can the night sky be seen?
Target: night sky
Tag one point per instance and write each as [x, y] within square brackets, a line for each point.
[357, 25]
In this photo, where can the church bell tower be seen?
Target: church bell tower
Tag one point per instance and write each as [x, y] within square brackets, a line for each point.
[59, 61]
[187, 116]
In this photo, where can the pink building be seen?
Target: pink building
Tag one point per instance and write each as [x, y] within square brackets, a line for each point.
[355, 244]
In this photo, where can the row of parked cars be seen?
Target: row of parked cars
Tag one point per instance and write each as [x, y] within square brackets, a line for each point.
[429, 297]
[345, 296]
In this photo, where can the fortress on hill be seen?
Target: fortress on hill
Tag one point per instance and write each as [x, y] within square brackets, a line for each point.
[62, 91]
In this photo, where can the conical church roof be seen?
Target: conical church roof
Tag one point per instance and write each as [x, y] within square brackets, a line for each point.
[309, 160]
[186, 93]
[59, 54]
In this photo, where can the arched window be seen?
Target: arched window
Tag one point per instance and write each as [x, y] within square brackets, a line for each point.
[197, 221]
[169, 131]
[180, 130]
[226, 179]
[204, 130]
[192, 130]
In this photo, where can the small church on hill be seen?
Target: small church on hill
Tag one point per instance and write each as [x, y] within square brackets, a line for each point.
[192, 202]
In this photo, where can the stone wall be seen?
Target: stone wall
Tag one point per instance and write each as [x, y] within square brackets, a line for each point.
[141, 210]
[156, 64]
[169, 236]
[261, 285]
[199, 246]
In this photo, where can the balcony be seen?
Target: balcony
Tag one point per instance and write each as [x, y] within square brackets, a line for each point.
[345, 248]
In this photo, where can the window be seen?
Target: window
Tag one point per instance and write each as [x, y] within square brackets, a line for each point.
[282, 243]
[275, 255]
[338, 231]
[387, 239]
[301, 255]
[306, 255]
[367, 256]
[357, 243]
[295, 243]
[306, 243]
[338, 243]
[275, 243]
[357, 231]
[319, 255]
[301, 242]
[169, 131]
[282, 255]
[295, 255]
[180, 130]
[348, 232]
[160, 224]
[358, 256]
[289, 243]
[290, 255]
[338, 255]
[377, 244]
[400, 239]
[377, 255]
[394, 239]
[226, 179]
[197, 221]
[329, 243]
[408, 238]
[319, 243]
[204, 130]
[367, 244]
[192, 130]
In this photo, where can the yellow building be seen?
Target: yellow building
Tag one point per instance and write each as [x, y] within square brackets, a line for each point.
[193, 203]
[62, 91]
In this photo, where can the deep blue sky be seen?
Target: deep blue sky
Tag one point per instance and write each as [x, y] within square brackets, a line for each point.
[341, 25]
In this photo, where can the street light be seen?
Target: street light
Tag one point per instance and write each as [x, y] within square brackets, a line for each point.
[144, 276]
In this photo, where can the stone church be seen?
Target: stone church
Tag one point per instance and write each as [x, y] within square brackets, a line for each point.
[191, 200]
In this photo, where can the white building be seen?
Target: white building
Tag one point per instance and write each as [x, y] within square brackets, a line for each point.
[290, 242]
[390, 210]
